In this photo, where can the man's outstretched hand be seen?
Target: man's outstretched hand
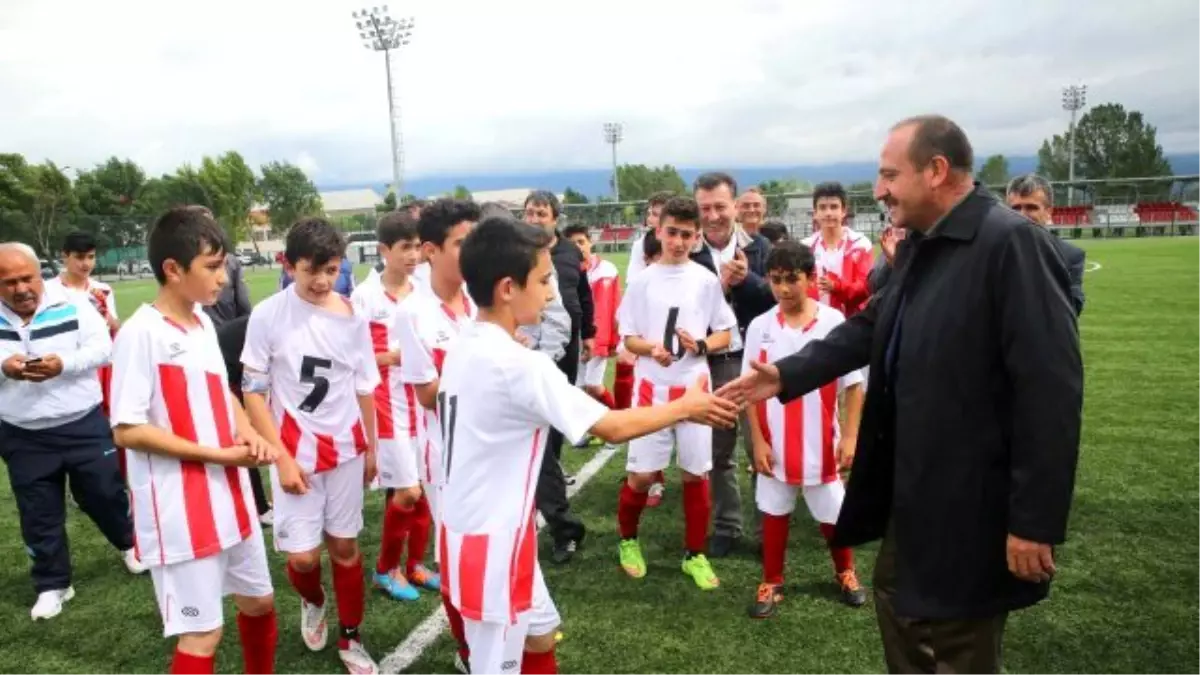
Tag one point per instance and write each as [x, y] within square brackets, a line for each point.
[705, 408]
[761, 383]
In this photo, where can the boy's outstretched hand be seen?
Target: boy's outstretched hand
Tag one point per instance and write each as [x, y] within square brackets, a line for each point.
[710, 409]
[757, 385]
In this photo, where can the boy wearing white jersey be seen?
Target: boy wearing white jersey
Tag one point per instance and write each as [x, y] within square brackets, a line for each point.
[398, 416]
[667, 311]
[606, 297]
[799, 447]
[188, 441]
[497, 401]
[312, 354]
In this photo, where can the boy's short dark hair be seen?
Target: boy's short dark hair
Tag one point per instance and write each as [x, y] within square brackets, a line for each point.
[78, 242]
[791, 256]
[315, 240]
[499, 248]
[396, 226]
[659, 198]
[713, 180]
[183, 234]
[651, 246]
[577, 228]
[443, 214]
[830, 189]
[774, 231]
[681, 210]
[544, 198]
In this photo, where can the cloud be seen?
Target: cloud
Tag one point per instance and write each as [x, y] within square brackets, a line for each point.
[525, 85]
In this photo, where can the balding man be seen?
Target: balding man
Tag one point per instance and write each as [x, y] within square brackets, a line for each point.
[966, 456]
[751, 209]
[1032, 195]
[51, 427]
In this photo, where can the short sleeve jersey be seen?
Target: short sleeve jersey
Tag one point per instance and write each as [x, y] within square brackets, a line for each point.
[665, 298]
[173, 377]
[397, 413]
[318, 363]
[99, 293]
[497, 401]
[804, 432]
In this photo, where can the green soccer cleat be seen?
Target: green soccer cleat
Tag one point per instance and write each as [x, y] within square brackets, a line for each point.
[631, 558]
[700, 570]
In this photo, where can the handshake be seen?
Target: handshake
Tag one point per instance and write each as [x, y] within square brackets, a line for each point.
[721, 408]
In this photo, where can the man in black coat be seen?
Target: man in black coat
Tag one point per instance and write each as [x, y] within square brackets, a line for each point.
[967, 451]
[1032, 195]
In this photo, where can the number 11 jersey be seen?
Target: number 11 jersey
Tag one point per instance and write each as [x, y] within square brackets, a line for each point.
[318, 363]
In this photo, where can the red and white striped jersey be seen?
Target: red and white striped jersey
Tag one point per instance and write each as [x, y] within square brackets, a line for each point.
[498, 400]
[397, 412]
[99, 293]
[663, 298]
[847, 265]
[803, 433]
[427, 328]
[606, 298]
[319, 363]
[174, 378]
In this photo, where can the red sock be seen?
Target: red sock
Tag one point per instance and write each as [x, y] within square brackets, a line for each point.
[629, 510]
[191, 664]
[774, 546]
[623, 386]
[418, 534]
[396, 523]
[308, 584]
[258, 634]
[697, 507]
[843, 557]
[606, 398]
[350, 591]
[456, 629]
[539, 663]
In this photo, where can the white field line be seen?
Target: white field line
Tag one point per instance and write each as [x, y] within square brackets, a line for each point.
[424, 635]
[1092, 267]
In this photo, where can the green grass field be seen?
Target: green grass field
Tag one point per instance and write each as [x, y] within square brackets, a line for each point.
[1125, 600]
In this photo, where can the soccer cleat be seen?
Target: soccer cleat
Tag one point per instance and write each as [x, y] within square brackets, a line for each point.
[398, 589]
[853, 593]
[766, 601]
[357, 660]
[564, 551]
[50, 603]
[655, 496]
[631, 558]
[460, 665]
[700, 570]
[313, 627]
[267, 519]
[558, 636]
[132, 562]
[423, 578]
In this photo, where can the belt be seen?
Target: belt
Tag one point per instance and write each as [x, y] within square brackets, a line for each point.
[725, 356]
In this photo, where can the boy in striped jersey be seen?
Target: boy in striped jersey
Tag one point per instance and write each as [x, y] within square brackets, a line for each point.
[799, 447]
[188, 441]
[312, 354]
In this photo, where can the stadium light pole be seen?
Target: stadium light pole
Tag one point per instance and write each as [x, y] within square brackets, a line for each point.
[1074, 97]
[614, 132]
[381, 33]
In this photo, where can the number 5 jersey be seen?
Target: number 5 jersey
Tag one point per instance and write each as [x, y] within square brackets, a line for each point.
[319, 363]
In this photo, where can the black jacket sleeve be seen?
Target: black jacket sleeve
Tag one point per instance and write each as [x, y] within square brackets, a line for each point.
[587, 329]
[846, 348]
[1076, 258]
[1039, 345]
[241, 294]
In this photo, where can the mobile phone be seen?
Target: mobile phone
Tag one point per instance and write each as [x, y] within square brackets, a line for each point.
[36, 359]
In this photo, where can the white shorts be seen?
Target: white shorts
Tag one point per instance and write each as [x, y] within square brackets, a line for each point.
[592, 371]
[396, 459]
[776, 498]
[498, 647]
[652, 452]
[190, 593]
[333, 505]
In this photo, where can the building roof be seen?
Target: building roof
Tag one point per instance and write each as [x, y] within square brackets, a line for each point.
[363, 199]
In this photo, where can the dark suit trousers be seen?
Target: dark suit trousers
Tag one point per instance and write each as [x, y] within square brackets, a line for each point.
[551, 495]
[931, 646]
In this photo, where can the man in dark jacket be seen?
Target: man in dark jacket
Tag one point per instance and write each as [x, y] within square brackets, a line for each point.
[566, 530]
[1032, 195]
[967, 451]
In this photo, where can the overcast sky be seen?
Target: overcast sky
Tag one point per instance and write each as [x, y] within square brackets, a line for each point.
[515, 85]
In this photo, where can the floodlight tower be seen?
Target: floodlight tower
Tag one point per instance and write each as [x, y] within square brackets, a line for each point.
[614, 132]
[1074, 98]
[381, 33]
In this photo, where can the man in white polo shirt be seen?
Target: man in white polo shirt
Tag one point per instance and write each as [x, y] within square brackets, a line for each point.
[51, 426]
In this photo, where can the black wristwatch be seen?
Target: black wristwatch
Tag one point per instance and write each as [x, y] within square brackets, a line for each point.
[701, 348]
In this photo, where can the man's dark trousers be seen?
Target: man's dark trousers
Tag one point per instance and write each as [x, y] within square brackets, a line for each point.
[39, 465]
[551, 495]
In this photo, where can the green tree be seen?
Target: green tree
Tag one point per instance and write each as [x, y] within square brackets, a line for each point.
[233, 188]
[36, 200]
[570, 196]
[1110, 142]
[408, 198]
[288, 194]
[109, 197]
[861, 187]
[994, 171]
[182, 188]
[639, 181]
[461, 192]
[389, 201]
[775, 190]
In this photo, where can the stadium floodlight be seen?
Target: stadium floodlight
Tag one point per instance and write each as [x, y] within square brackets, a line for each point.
[381, 33]
[614, 132]
[1074, 98]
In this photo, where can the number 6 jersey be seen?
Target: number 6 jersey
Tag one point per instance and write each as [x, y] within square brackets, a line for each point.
[319, 363]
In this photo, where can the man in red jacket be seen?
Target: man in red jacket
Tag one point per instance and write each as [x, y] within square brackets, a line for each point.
[844, 257]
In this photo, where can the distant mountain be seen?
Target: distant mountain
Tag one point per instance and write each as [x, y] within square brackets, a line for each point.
[595, 182]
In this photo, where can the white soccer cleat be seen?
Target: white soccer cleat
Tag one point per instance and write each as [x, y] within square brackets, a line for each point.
[313, 627]
[267, 519]
[132, 562]
[357, 660]
[50, 603]
[460, 665]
